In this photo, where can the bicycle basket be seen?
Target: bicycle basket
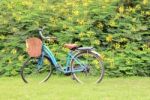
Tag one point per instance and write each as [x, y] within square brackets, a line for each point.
[34, 47]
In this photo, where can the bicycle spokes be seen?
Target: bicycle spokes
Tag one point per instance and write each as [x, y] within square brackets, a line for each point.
[92, 68]
[32, 71]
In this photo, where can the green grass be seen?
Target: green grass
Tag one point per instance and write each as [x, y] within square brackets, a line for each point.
[63, 88]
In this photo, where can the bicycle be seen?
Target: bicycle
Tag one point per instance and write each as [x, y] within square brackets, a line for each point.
[83, 63]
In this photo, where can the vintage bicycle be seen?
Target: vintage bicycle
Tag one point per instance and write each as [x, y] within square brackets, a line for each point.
[83, 63]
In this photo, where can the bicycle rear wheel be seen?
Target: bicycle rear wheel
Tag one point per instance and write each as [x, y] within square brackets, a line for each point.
[92, 65]
[31, 71]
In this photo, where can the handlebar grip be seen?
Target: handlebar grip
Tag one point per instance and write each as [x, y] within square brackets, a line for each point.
[40, 29]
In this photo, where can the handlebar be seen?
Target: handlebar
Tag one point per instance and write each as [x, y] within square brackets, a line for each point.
[45, 37]
[41, 34]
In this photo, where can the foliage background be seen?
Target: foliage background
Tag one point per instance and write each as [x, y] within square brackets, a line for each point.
[118, 29]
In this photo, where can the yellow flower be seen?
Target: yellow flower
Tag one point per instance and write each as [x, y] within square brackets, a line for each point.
[106, 1]
[46, 62]
[27, 3]
[90, 33]
[85, 4]
[103, 7]
[131, 10]
[45, 1]
[145, 2]
[81, 34]
[123, 39]
[81, 22]
[148, 13]
[72, 29]
[74, 5]
[95, 62]
[97, 42]
[3, 50]
[138, 7]
[76, 12]
[41, 8]
[112, 65]
[68, 3]
[128, 61]
[111, 62]
[85, 12]
[133, 29]
[5, 21]
[52, 19]
[14, 29]
[117, 16]
[112, 23]
[121, 9]
[109, 38]
[65, 49]
[16, 16]
[9, 61]
[134, 19]
[9, 6]
[102, 56]
[62, 10]
[64, 26]
[20, 58]
[145, 46]
[37, 23]
[13, 51]
[70, 18]
[2, 37]
[100, 25]
[117, 46]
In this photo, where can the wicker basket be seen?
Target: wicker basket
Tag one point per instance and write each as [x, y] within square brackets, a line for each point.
[34, 47]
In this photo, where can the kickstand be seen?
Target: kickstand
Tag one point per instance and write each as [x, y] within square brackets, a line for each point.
[73, 78]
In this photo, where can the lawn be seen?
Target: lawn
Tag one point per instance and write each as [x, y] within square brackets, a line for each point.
[63, 88]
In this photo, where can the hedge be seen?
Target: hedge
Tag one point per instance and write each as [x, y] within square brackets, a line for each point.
[119, 30]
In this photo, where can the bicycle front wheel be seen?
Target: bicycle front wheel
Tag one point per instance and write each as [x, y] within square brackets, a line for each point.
[31, 71]
[90, 67]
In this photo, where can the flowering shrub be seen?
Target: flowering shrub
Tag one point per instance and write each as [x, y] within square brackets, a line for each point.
[118, 30]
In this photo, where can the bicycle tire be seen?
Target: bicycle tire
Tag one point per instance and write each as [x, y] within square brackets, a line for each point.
[73, 66]
[48, 70]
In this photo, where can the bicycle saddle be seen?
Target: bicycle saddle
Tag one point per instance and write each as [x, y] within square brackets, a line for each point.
[71, 46]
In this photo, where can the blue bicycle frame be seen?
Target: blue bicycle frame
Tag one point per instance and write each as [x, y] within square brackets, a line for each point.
[67, 69]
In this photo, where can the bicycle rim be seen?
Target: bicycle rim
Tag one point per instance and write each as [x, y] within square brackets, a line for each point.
[93, 67]
[32, 72]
